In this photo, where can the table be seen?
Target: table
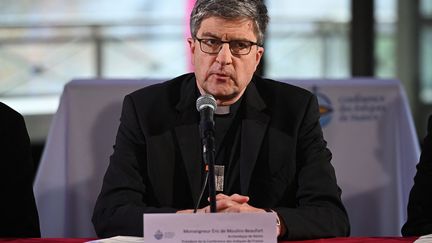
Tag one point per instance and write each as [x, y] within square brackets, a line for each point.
[46, 240]
[367, 123]
[337, 240]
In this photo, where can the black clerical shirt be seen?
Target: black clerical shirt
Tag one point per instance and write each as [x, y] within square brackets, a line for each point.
[227, 141]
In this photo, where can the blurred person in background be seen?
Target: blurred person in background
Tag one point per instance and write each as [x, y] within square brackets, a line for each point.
[18, 214]
[420, 200]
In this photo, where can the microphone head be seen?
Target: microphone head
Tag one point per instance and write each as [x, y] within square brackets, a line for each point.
[206, 100]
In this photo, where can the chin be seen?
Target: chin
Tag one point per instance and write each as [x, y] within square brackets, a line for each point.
[226, 98]
[220, 94]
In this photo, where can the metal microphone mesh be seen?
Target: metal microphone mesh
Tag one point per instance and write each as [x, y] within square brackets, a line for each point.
[206, 100]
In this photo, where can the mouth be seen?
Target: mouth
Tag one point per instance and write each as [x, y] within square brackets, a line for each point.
[221, 76]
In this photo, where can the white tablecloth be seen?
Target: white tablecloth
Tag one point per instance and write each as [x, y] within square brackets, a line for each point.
[367, 123]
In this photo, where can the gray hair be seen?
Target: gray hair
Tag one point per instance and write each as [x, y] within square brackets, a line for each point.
[254, 10]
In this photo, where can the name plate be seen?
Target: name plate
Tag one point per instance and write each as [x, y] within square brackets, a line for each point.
[211, 228]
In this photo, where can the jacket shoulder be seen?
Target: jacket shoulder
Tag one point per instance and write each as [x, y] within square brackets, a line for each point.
[165, 95]
[169, 87]
[276, 92]
[9, 115]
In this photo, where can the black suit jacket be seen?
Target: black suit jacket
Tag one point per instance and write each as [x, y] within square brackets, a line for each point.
[18, 214]
[420, 200]
[284, 163]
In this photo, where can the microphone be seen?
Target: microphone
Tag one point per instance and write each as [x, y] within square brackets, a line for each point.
[206, 105]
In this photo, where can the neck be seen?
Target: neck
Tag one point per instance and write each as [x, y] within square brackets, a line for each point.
[222, 110]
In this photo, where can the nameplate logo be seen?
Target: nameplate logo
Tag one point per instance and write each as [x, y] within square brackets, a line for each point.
[211, 228]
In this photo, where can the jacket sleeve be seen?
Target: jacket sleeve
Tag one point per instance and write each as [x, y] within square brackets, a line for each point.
[319, 211]
[420, 200]
[126, 195]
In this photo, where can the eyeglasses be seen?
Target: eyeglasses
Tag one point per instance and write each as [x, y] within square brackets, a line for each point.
[237, 47]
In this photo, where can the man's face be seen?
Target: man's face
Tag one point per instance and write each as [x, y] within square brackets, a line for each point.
[224, 75]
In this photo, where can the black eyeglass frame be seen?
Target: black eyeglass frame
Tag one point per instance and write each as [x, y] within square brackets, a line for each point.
[250, 43]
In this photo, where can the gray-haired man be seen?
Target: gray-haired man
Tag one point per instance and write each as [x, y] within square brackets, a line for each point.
[268, 138]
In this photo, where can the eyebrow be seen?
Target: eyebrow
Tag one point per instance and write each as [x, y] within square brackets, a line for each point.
[209, 34]
[212, 35]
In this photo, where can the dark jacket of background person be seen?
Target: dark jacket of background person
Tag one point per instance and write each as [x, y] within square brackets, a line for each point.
[420, 200]
[18, 213]
[285, 165]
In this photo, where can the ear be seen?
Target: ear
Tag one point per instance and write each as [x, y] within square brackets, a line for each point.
[258, 55]
[192, 46]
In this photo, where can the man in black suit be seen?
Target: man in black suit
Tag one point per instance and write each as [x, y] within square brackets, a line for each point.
[18, 217]
[420, 201]
[268, 138]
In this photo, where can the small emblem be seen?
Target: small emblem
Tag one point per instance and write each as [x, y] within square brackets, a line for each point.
[158, 235]
[219, 177]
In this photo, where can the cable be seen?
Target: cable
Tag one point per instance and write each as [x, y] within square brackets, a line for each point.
[202, 192]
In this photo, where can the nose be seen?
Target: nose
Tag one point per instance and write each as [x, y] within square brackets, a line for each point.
[224, 56]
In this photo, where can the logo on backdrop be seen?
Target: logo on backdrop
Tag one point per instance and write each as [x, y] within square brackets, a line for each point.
[361, 107]
[325, 107]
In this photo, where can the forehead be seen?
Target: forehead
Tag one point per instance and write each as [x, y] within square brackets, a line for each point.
[227, 28]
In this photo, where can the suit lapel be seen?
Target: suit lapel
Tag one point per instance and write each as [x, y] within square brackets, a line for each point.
[189, 143]
[254, 127]
[187, 133]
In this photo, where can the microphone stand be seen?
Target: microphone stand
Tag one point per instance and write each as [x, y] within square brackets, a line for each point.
[209, 159]
[206, 105]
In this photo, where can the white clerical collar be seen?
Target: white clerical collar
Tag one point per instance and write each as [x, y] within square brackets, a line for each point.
[222, 110]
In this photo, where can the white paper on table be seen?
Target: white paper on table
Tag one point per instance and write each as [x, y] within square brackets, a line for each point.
[119, 239]
[211, 227]
[424, 239]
